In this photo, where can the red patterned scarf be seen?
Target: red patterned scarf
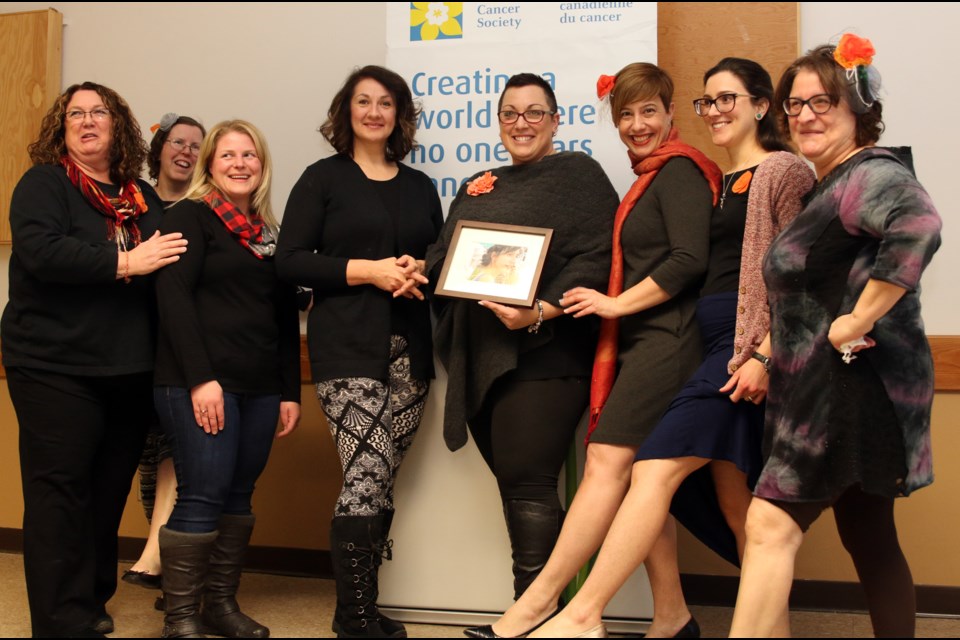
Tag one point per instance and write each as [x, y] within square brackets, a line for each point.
[121, 212]
[605, 361]
[249, 234]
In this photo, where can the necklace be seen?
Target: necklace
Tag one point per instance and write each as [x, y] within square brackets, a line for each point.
[726, 185]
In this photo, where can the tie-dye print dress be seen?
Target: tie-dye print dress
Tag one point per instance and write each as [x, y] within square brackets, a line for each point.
[831, 425]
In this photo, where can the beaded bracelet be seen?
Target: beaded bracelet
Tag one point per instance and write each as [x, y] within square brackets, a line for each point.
[536, 325]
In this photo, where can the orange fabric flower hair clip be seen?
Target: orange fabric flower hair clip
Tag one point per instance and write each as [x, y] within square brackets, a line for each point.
[855, 54]
[481, 185]
[853, 51]
[605, 86]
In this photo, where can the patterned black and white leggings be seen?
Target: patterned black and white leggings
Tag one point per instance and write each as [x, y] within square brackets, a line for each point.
[373, 423]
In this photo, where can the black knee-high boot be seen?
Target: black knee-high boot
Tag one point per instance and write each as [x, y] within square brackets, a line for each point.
[221, 613]
[356, 550]
[184, 559]
[533, 528]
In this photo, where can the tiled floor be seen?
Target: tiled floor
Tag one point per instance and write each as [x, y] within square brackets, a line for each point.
[302, 607]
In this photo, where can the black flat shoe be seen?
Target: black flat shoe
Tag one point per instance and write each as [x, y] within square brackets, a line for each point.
[141, 579]
[689, 630]
[160, 604]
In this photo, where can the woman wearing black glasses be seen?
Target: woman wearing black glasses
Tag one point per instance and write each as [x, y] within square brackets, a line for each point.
[519, 378]
[843, 430]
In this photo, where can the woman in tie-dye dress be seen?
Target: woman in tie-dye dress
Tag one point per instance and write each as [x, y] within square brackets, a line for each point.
[851, 432]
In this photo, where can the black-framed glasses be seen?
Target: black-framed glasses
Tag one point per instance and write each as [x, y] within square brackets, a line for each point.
[819, 104]
[532, 116]
[725, 102]
[77, 115]
[179, 145]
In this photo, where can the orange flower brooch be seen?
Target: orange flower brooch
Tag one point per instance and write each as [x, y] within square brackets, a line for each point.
[481, 185]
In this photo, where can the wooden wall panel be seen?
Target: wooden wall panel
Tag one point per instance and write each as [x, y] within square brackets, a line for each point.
[30, 61]
[694, 36]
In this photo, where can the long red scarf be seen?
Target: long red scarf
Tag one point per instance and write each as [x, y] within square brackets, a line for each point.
[121, 212]
[605, 361]
[247, 232]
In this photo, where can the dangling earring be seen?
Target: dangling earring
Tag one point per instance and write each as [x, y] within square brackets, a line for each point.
[759, 116]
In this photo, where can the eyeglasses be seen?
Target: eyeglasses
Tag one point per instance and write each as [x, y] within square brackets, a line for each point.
[724, 103]
[819, 104]
[532, 116]
[179, 145]
[78, 115]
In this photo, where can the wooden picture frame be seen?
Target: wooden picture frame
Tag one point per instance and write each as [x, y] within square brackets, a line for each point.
[497, 262]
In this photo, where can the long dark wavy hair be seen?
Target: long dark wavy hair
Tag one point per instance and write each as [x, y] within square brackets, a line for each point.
[128, 150]
[338, 130]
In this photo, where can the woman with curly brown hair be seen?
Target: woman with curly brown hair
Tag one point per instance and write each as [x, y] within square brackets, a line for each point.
[78, 345]
[354, 227]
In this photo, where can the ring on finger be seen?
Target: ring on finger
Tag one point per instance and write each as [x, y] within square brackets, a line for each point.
[748, 398]
[203, 412]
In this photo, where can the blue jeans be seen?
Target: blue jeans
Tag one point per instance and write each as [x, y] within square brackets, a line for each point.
[216, 474]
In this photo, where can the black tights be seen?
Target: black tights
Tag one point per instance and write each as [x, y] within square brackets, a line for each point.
[524, 432]
[869, 534]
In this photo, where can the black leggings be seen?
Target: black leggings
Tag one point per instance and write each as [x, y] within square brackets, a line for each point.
[869, 534]
[524, 432]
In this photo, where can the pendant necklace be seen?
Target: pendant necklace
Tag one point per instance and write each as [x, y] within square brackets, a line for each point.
[726, 185]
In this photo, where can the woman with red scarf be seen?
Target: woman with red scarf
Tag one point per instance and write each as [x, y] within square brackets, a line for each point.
[228, 368]
[648, 339]
[78, 347]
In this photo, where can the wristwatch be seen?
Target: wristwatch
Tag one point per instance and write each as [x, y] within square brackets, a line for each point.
[762, 359]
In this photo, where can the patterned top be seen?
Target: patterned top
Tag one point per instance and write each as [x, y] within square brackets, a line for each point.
[775, 200]
[880, 203]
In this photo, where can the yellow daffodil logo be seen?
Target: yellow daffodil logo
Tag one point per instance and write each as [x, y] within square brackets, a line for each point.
[436, 20]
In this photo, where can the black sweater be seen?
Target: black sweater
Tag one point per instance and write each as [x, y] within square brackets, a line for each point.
[224, 314]
[335, 214]
[67, 311]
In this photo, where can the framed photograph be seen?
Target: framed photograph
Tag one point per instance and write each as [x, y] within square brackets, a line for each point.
[497, 262]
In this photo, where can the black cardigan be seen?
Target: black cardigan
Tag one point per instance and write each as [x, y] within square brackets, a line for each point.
[335, 214]
[224, 314]
[67, 311]
[570, 193]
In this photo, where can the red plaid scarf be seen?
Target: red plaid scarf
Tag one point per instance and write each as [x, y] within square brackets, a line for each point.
[246, 232]
[121, 212]
[605, 361]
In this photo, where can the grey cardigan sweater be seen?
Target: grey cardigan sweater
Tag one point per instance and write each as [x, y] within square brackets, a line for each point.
[570, 193]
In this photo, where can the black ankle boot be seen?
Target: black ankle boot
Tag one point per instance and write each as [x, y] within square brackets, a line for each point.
[533, 528]
[356, 550]
[184, 558]
[221, 613]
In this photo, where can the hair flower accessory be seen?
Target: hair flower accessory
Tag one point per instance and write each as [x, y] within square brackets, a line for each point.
[853, 51]
[605, 85]
[481, 185]
[167, 121]
[855, 54]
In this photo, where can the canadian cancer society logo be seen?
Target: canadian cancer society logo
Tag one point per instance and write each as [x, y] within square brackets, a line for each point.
[436, 21]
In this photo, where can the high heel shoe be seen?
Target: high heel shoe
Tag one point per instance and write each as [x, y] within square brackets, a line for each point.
[689, 630]
[486, 631]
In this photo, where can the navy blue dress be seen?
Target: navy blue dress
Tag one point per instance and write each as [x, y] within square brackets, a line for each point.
[700, 421]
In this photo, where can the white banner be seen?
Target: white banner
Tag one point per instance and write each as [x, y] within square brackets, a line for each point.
[458, 55]
[452, 553]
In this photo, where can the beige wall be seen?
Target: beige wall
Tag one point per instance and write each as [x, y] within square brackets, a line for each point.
[295, 497]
